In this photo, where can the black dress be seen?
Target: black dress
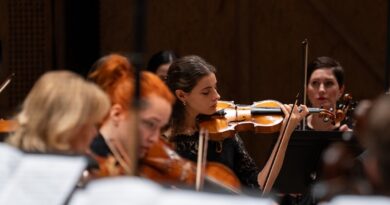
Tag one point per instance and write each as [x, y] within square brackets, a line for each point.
[231, 152]
[100, 147]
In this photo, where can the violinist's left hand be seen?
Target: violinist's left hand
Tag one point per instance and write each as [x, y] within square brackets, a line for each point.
[344, 128]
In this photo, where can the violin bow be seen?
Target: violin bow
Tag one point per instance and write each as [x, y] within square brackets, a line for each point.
[267, 185]
[305, 44]
[202, 159]
[6, 82]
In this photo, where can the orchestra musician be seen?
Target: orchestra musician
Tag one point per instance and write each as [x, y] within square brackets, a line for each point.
[325, 86]
[60, 115]
[194, 83]
[115, 76]
[160, 62]
[376, 136]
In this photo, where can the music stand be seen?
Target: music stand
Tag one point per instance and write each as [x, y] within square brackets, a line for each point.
[303, 159]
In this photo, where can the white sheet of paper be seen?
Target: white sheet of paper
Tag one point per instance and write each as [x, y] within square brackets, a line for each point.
[133, 190]
[9, 159]
[196, 198]
[118, 190]
[359, 200]
[43, 179]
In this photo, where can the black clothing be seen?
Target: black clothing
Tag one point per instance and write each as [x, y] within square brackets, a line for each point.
[100, 147]
[231, 152]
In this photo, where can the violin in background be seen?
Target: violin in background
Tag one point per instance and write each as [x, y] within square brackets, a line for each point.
[261, 117]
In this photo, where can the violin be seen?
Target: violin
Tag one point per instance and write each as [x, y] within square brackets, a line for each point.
[261, 117]
[7, 126]
[163, 164]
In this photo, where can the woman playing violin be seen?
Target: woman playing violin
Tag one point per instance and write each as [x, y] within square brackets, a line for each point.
[324, 88]
[114, 75]
[194, 83]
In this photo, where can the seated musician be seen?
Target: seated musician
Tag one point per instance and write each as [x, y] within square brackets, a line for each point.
[159, 62]
[325, 86]
[194, 83]
[60, 114]
[377, 138]
[115, 76]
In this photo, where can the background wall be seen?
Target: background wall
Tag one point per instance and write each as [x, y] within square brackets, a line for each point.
[256, 45]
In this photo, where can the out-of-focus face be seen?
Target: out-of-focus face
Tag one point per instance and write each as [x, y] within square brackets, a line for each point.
[203, 98]
[323, 89]
[152, 118]
[162, 70]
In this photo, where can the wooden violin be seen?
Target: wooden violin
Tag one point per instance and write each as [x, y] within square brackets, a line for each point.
[7, 126]
[163, 164]
[261, 117]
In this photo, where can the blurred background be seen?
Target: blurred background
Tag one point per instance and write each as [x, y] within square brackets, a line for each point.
[256, 45]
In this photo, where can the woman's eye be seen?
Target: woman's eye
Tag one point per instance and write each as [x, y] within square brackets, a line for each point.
[205, 93]
[329, 84]
[149, 124]
[315, 83]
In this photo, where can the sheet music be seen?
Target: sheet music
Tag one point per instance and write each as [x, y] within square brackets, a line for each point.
[42, 179]
[133, 190]
[119, 190]
[9, 159]
[196, 198]
[359, 200]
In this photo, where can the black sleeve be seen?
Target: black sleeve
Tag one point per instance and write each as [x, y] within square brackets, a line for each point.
[245, 167]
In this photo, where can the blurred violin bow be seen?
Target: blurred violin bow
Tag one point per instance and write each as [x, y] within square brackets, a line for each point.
[202, 159]
[6, 82]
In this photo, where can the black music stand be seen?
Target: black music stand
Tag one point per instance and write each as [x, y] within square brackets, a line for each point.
[302, 163]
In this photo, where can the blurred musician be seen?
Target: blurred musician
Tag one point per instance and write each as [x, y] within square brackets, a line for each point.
[114, 75]
[60, 114]
[376, 137]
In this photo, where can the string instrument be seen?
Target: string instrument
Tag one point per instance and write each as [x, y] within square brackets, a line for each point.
[345, 108]
[163, 164]
[261, 117]
[7, 126]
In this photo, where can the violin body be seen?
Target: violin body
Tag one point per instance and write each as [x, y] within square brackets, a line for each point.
[235, 118]
[164, 165]
[7, 126]
[261, 117]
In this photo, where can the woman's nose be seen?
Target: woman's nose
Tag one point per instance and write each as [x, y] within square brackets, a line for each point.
[154, 137]
[216, 95]
[322, 87]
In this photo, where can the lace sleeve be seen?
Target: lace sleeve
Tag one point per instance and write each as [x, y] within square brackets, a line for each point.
[245, 168]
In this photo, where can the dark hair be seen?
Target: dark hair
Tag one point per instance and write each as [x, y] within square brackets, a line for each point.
[325, 62]
[184, 74]
[160, 58]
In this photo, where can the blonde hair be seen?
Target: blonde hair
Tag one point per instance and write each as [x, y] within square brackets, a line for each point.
[57, 105]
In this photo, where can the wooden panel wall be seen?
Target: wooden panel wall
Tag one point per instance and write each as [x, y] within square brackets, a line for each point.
[27, 46]
[256, 45]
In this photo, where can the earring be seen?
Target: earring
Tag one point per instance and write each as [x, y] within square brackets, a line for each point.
[184, 103]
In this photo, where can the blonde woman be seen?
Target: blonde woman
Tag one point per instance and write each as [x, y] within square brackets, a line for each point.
[60, 114]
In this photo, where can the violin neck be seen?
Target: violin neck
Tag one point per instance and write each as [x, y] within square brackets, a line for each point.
[268, 111]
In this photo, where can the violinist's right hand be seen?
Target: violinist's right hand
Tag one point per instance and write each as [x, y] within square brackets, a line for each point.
[297, 115]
